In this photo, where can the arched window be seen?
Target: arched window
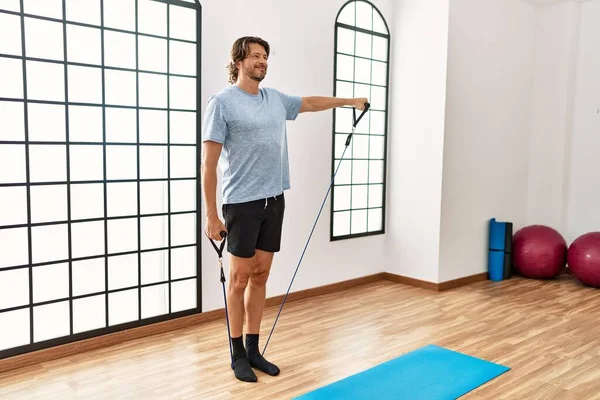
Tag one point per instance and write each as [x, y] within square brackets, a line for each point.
[362, 48]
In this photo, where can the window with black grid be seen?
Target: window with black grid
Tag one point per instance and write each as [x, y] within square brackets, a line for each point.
[99, 191]
[362, 45]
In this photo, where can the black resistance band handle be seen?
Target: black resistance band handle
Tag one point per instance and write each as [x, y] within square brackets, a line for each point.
[367, 106]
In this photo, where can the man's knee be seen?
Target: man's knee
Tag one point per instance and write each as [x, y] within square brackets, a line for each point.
[241, 270]
[260, 275]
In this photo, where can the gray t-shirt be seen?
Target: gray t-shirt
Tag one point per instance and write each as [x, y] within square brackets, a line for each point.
[252, 129]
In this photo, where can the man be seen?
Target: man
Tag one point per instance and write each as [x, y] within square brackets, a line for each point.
[245, 128]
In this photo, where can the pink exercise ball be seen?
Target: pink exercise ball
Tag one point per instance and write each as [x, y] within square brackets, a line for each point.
[583, 258]
[539, 252]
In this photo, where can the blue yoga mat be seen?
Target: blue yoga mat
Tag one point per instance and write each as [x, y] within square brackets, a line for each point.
[428, 373]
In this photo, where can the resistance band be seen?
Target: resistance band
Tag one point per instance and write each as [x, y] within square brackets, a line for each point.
[348, 139]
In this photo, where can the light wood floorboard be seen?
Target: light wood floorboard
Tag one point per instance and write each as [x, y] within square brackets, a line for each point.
[546, 331]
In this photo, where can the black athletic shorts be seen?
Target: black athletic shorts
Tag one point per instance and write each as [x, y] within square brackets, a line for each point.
[254, 225]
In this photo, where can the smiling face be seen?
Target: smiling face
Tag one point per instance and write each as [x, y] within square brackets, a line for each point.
[254, 66]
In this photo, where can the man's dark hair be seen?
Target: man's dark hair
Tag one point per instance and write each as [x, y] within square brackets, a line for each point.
[239, 51]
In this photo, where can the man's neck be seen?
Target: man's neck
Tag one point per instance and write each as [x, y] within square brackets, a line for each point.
[248, 85]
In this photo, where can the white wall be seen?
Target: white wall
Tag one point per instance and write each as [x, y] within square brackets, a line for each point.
[584, 183]
[554, 71]
[416, 137]
[301, 63]
[488, 125]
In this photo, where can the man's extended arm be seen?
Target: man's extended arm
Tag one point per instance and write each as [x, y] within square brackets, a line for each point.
[320, 103]
[210, 157]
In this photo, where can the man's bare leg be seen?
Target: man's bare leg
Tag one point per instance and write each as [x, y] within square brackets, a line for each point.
[255, 304]
[239, 276]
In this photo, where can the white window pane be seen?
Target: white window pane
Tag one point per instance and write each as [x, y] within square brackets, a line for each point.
[51, 321]
[49, 243]
[362, 71]
[360, 147]
[86, 11]
[363, 44]
[119, 49]
[378, 23]
[155, 300]
[362, 90]
[123, 307]
[363, 124]
[379, 73]
[88, 276]
[183, 162]
[375, 220]
[152, 54]
[84, 44]
[153, 90]
[46, 8]
[341, 223]
[14, 288]
[45, 81]
[183, 229]
[154, 197]
[364, 15]
[343, 120]
[87, 201]
[13, 205]
[120, 88]
[183, 263]
[152, 17]
[360, 172]
[155, 266]
[122, 235]
[377, 122]
[44, 39]
[10, 31]
[344, 90]
[13, 120]
[11, 78]
[14, 247]
[153, 162]
[121, 125]
[359, 221]
[341, 198]
[375, 171]
[378, 98]
[183, 127]
[183, 195]
[121, 199]
[377, 147]
[12, 163]
[85, 85]
[359, 196]
[184, 295]
[15, 327]
[375, 195]
[155, 231]
[153, 126]
[85, 124]
[87, 163]
[48, 163]
[48, 203]
[183, 23]
[345, 67]
[380, 48]
[121, 162]
[346, 15]
[340, 146]
[119, 14]
[343, 168]
[89, 313]
[50, 282]
[47, 122]
[10, 5]
[122, 271]
[345, 41]
[87, 239]
[182, 58]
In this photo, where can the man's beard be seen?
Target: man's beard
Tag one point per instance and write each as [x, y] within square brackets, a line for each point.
[254, 75]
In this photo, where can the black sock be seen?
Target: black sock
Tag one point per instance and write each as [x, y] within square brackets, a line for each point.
[241, 365]
[256, 359]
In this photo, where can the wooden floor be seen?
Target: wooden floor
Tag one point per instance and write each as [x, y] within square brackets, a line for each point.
[547, 332]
